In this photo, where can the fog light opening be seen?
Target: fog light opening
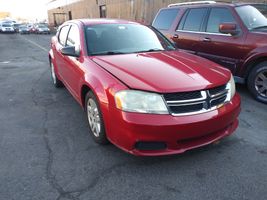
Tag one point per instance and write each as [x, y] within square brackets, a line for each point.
[150, 146]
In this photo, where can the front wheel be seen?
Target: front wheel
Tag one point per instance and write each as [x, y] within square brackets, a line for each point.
[56, 82]
[95, 119]
[257, 82]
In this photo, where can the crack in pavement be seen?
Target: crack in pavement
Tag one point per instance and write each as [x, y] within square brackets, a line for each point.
[49, 175]
[170, 189]
[97, 178]
[245, 122]
[51, 178]
[34, 96]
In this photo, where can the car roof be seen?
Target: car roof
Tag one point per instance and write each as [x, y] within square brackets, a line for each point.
[103, 21]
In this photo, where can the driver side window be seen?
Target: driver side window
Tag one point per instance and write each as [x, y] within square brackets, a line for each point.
[63, 35]
[74, 36]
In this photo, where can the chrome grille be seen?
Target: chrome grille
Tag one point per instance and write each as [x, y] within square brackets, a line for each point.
[187, 103]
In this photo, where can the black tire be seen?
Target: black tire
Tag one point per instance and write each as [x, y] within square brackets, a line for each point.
[97, 132]
[256, 85]
[56, 82]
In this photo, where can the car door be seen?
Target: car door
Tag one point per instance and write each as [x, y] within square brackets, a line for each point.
[189, 28]
[224, 49]
[72, 71]
[59, 57]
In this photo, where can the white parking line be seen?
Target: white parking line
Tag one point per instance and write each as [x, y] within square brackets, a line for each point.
[4, 62]
[34, 43]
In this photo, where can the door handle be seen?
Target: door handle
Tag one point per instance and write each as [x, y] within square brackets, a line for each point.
[175, 36]
[206, 40]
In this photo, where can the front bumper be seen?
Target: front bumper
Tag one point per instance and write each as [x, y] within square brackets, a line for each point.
[179, 134]
[43, 31]
[8, 31]
[24, 31]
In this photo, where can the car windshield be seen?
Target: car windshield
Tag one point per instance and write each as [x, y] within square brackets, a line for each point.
[23, 27]
[6, 25]
[41, 26]
[261, 7]
[109, 39]
[252, 17]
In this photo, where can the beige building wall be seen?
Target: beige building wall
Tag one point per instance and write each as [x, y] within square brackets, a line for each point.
[4, 15]
[137, 10]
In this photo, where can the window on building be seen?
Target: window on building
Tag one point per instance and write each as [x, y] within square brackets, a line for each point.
[165, 19]
[218, 16]
[193, 19]
[103, 11]
[70, 15]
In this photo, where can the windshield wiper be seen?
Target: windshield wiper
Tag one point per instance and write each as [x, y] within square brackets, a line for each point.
[119, 52]
[149, 50]
[259, 27]
[108, 53]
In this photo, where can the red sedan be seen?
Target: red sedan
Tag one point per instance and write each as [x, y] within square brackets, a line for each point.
[140, 92]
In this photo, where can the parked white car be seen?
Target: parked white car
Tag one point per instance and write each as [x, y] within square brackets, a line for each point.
[7, 28]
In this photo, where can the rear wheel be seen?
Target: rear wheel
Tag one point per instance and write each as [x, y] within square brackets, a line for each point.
[257, 82]
[56, 82]
[95, 120]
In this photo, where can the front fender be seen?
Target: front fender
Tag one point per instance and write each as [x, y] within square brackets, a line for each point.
[104, 85]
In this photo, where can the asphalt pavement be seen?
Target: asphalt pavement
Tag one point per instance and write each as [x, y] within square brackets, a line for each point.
[46, 151]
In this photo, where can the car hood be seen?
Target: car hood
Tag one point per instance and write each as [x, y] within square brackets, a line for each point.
[165, 71]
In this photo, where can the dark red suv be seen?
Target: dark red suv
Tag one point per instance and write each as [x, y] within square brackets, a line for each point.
[231, 34]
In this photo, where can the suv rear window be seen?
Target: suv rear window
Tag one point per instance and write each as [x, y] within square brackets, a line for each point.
[165, 19]
[193, 19]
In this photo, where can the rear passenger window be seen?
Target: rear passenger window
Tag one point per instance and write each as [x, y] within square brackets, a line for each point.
[165, 19]
[193, 19]
[63, 35]
[218, 16]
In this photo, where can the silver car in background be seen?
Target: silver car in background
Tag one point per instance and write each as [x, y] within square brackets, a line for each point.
[7, 28]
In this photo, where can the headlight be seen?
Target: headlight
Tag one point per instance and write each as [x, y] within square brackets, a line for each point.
[231, 89]
[142, 102]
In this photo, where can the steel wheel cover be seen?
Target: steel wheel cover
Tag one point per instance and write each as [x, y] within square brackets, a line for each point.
[53, 74]
[261, 83]
[93, 117]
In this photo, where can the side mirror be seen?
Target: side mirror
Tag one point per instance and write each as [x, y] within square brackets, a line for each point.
[70, 51]
[229, 28]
